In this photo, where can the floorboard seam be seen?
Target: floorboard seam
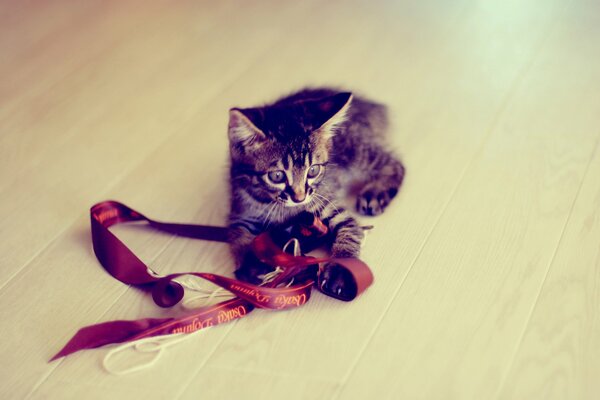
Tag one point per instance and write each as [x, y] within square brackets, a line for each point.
[547, 272]
[135, 165]
[111, 185]
[124, 290]
[256, 60]
[203, 364]
[98, 54]
[501, 110]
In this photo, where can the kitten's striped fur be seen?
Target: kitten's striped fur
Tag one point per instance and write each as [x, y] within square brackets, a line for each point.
[272, 150]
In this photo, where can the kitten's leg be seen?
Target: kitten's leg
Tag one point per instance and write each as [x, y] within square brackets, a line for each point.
[347, 239]
[348, 235]
[248, 267]
[384, 177]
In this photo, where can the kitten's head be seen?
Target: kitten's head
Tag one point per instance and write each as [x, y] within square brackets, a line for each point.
[280, 152]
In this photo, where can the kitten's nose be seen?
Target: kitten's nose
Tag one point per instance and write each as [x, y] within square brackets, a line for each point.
[298, 196]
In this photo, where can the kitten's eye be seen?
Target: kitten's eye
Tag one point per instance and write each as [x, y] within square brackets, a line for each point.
[276, 176]
[314, 170]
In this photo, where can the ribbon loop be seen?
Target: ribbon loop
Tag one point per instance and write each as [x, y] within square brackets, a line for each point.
[166, 293]
[125, 266]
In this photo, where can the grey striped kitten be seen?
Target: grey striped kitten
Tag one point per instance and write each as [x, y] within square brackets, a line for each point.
[307, 152]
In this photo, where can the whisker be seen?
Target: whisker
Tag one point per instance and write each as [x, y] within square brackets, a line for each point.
[267, 220]
[328, 201]
[280, 210]
[320, 205]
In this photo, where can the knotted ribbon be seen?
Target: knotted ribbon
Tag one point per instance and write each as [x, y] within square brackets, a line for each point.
[125, 266]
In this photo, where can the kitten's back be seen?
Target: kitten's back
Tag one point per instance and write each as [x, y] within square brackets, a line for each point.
[366, 118]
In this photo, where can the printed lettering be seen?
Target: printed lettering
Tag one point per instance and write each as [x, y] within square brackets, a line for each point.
[108, 214]
[228, 315]
[195, 325]
[283, 301]
[260, 297]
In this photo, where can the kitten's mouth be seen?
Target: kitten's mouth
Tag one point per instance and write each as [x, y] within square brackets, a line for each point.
[287, 202]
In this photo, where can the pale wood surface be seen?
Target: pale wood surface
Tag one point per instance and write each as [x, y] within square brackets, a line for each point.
[487, 265]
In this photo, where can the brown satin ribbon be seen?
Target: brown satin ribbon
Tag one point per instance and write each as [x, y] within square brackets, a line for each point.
[125, 266]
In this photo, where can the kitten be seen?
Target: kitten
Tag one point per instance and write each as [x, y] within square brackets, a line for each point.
[306, 152]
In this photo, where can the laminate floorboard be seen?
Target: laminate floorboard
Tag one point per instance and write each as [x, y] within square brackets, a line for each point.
[486, 264]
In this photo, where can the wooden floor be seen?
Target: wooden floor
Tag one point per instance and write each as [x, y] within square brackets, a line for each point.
[487, 266]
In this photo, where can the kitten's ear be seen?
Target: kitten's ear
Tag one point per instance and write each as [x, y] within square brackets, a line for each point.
[332, 111]
[242, 131]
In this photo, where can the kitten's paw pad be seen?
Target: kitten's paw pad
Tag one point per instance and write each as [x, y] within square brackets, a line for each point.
[373, 200]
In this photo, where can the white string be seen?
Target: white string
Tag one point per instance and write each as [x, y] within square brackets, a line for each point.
[157, 344]
[270, 276]
[296, 249]
[205, 296]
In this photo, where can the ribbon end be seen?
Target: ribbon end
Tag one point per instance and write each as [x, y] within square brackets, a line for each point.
[62, 353]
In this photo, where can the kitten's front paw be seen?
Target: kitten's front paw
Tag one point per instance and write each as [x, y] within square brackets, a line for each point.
[374, 198]
[337, 282]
